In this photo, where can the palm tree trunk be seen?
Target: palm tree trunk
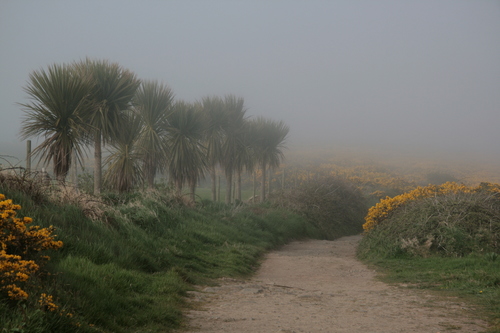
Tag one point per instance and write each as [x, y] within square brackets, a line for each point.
[178, 188]
[149, 173]
[170, 182]
[97, 163]
[214, 184]
[229, 186]
[151, 182]
[238, 186]
[263, 182]
[75, 172]
[269, 180]
[254, 185]
[218, 189]
[28, 158]
[192, 186]
[61, 179]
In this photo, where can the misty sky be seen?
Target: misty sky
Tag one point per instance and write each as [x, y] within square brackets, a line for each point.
[412, 74]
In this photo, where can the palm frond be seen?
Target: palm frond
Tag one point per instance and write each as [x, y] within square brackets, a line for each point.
[153, 104]
[113, 90]
[124, 170]
[58, 101]
[187, 160]
[269, 140]
[234, 131]
[216, 121]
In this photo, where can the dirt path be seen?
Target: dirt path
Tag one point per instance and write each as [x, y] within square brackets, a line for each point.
[319, 286]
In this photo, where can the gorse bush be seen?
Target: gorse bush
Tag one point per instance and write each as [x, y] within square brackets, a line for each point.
[447, 239]
[20, 248]
[23, 277]
[385, 207]
[452, 220]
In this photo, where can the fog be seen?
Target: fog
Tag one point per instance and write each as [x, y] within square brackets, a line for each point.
[402, 76]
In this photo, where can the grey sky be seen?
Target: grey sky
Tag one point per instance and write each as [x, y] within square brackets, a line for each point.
[389, 73]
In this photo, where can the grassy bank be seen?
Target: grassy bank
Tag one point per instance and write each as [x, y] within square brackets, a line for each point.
[447, 242]
[129, 270]
[474, 280]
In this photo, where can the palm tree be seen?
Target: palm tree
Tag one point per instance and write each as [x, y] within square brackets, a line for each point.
[124, 170]
[187, 161]
[113, 89]
[268, 138]
[245, 158]
[153, 103]
[215, 123]
[59, 98]
[233, 140]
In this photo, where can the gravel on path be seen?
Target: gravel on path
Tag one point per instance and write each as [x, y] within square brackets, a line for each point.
[319, 286]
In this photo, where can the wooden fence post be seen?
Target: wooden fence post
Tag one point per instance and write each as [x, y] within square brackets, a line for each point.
[28, 157]
[75, 172]
[254, 185]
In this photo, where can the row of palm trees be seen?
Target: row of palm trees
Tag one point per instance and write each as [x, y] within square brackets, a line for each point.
[97, 102]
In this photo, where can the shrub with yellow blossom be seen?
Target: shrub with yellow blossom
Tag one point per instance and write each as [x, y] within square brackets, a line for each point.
[20, 247]
[385, 207]
[47, 302]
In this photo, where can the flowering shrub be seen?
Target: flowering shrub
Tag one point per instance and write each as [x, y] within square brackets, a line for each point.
[47, 302]
[20, 248]
[382, 210]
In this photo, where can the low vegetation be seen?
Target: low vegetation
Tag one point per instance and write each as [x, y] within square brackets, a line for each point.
[129, 269]
[385, 208]
[128, 260]
[333, 205]
[444, 238]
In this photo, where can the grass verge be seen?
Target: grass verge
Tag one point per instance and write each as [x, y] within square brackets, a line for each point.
[475, 280]
[130, 271]
[448, 243]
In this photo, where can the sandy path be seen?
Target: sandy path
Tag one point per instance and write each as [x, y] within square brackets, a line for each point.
[319, 286]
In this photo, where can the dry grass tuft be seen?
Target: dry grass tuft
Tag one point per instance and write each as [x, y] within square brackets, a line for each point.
[32, 184]
[92, 207]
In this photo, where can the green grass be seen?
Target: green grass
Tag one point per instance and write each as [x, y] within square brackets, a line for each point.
[475, 280]
[448, 243]
[131, 271]
[205, 193]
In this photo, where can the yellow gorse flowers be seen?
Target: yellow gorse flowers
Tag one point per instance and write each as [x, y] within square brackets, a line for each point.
[46, 301]
[20, 245]
[382, 210]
